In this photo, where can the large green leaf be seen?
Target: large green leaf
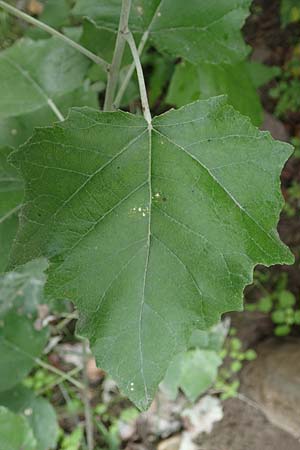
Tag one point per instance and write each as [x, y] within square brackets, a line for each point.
[14, 131]
[151, 233]
[34, 72]
[11, 196]
[15, 432]
[38, 412]
[196, 30]
[191, 83]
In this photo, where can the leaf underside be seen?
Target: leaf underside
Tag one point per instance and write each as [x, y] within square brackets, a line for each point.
[152, 233]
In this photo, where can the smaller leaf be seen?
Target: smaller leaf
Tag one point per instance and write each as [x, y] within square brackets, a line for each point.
[278, 316]
[261, 74]
[56, 14]
[250, 355]
[212, 339]
[37, 411]
[23, 289]
[286, 299]
[15, 432]
[203, 81]
[32, 72]
[236, 366]
[289, 11]
[14, 131]
[193, 372]
[20, 344]
[297, 317]
[282, 330]
[265, 304]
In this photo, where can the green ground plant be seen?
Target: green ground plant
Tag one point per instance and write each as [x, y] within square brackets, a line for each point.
[281, 304]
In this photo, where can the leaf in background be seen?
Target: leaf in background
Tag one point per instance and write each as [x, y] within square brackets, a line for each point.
[162, 69]
[190, 83]
[37, 411]
[23, 288]
[101, 41]
[56, 13]
[11, 196]
[15, 131]
[15, 432]
[20, 344]
[193, 372]
[151, 234]
[261, 74]
[196, 30]
[212, 339]
[32, 72]
[289, 11]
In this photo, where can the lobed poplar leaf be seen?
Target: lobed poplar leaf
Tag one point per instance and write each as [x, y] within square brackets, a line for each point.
[151, 232]
[196, 30]
[32, 73]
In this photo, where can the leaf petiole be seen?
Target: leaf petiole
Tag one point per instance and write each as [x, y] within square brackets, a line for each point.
[139, 70]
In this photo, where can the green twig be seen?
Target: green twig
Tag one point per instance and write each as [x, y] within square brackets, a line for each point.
[114, 70]
[59, 380]
[141, 47]
[62, 374]
[55, 109]
[130, 71]
[140, 75]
